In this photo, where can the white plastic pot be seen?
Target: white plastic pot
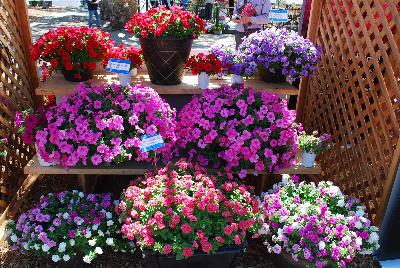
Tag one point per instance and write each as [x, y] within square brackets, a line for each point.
[236, 79]
[42, 162]
[308, 159]
[125, 79]
[203, 80]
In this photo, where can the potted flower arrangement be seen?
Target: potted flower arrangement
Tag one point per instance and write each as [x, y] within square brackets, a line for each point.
[72, 50]
[107, 123]
[312, 145]
[183, 216]
[232, 62]
[309, 224]
[238, 129]
[204, 65]
[30, 121]
[166, 37]
[277, 53]
[68, 226]
[133, 54]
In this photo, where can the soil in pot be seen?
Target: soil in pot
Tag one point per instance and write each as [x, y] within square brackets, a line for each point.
[270, 77]
[165, 58]
[74, 76]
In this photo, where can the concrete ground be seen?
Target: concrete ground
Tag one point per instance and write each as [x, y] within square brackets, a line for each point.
[43, 20]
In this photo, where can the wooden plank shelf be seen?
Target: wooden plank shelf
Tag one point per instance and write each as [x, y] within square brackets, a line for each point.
[133, 168]
[58, 86]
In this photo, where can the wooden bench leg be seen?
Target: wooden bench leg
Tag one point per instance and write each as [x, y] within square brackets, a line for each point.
[82, 182]
[19, 197]
[263, 182]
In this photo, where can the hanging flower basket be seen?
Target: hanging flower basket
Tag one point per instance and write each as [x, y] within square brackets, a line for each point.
[270, 77]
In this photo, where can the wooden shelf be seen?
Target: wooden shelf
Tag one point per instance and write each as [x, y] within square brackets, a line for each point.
[58, 86]
[132, 168]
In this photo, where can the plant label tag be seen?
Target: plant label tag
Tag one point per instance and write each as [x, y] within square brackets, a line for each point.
[151, 142]
[118, 66]
[279, 15]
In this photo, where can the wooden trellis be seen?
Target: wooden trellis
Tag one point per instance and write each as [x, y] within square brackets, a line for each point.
[355, 95]
[18, 78]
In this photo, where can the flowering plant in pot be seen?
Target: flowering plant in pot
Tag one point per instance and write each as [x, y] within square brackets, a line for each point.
[232, 62]
[65, 225]
[204, 65]
[171, 31]
[183, 212]
[133, 54]
[106, 123]
[30, 121]
[277, 53]
[315, 224]
[72, 50]
[238, 129]
[312, 145]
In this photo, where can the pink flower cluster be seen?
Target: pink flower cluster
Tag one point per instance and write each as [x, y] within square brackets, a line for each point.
[182, 209]
[236, 128]
[105, 124]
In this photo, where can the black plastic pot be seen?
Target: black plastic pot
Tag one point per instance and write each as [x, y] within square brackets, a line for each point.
[270, 77]
[224, 258]
[165, 58]
[284, 260]
[70, 75]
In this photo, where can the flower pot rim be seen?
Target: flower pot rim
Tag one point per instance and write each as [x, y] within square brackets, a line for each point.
[165, 38]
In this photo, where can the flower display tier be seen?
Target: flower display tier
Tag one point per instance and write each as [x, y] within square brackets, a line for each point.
[59, 87]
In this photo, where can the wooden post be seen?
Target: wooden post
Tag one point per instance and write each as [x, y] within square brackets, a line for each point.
[26, 35]
[19, 197]
[82, 182]
[312, 33]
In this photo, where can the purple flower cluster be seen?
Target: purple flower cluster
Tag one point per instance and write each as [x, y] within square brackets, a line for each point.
[236, 128]
[64, 223]
[317, 223]
[280, 51]
[105, 124]
[232, 60]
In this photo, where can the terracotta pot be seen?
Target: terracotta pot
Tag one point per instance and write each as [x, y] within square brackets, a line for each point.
[165, 58]
[70, 75]
[270, 77]
[223, 258]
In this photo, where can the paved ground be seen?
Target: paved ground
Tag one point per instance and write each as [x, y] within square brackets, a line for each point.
[43, 20]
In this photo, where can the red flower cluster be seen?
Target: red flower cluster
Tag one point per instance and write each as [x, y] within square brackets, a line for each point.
[161, 21]
[202, 62]
[132, 53]
[182, 209]
[71, 48]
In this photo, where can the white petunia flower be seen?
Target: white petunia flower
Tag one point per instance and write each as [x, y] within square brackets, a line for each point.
[66, 257]
[45, 248]
[360, 212]
[101, 233]
[88, 234]
[374, 237]
[110, 222]
[36, 246]
[340, 203]
[108, 215]
[55, 258]
[92, 242]
[65, 215]
[110, 241]
[95, 227]
[72, 242]
[98, 250]
[14, 238]
[62, 246]
[358, 224]
[81, 195]
[86, 259]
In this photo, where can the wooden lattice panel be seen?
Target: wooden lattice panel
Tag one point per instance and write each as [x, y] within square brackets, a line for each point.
[355, 95]
[17, 81]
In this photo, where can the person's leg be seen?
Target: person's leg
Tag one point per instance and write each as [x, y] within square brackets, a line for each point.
[90, 17]
[96, 13]
[238, 38]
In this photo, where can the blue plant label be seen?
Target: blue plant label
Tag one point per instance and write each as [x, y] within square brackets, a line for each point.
[279, 15]
[118, 66]
[151, 142]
